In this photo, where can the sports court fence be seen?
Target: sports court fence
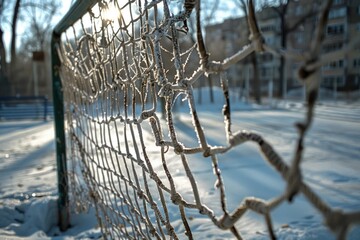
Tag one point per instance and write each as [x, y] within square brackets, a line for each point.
[118, 68]
[24, 107]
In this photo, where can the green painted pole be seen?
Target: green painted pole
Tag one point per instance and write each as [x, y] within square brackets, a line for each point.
[79, 8]
[63, 200]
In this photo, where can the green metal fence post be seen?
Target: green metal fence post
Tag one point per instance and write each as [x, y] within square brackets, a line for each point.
[78, 9]
[63, 201]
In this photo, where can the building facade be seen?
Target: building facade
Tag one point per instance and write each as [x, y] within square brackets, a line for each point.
[301, 18]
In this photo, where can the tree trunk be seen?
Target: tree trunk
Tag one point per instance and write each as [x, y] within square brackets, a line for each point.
[256, 85]
[13, 31]
[256, 80]
[12, 66]
[281, 77]
[283, 37]
[3, 68]
[211, 89]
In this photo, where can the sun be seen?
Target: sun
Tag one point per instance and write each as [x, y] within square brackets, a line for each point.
[118, 14]
[111, 13]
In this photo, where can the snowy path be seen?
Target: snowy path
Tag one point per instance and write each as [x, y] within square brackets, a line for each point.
[27, 157]
[331, 167]
[328, 110]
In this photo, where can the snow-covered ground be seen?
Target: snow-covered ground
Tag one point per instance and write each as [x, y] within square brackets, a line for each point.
[331, 167]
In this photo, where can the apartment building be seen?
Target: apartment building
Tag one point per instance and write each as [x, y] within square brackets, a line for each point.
[301, 20]
[343, 26]
[230, 36]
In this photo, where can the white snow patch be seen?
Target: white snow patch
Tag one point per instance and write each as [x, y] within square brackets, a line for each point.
[331, 165]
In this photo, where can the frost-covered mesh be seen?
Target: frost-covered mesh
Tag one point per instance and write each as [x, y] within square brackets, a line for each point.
[124, 64]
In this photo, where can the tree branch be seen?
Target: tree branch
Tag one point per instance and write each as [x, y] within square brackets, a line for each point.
[13, 30]
[300, 21]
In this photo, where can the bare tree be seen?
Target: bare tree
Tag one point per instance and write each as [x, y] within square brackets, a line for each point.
[256, 84]
[6, 71]
[40, 17]
[281, 7]
[13, 35]
[36, 17]
[209, 8]
[3, 65]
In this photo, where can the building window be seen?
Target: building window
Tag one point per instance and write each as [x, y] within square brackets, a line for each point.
[298, 10]
[335, 29]
[329, 81]
[263, 71]
[337, 13]
[334, 65]
[266, 57]
[299, 37]
[269, 40]
[336, 2]
[333, 47]
[356, 62]
[340, 81]
[268, 28]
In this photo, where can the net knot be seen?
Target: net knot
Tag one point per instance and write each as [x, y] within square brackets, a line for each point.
[176, 198]
[147, 114]
[336, 220]
[140, 194]
[153, 176]
[178, 148]
[257, 41]
[94, 195]
[152, 231]
[294, 183]
[205, 210]
[257, 205]
[225, 222]
[165, 91]
[153, 206]
[304, 73]
[238, 138]
[207, 152]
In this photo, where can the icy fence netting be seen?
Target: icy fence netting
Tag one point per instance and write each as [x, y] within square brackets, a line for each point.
[122, 64]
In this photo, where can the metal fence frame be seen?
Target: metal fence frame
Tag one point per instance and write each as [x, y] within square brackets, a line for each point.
[77, 10]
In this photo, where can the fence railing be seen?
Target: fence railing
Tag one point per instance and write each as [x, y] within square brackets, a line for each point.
[24, 107]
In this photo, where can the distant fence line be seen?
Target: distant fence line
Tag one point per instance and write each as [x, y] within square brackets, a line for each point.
[25, 107]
